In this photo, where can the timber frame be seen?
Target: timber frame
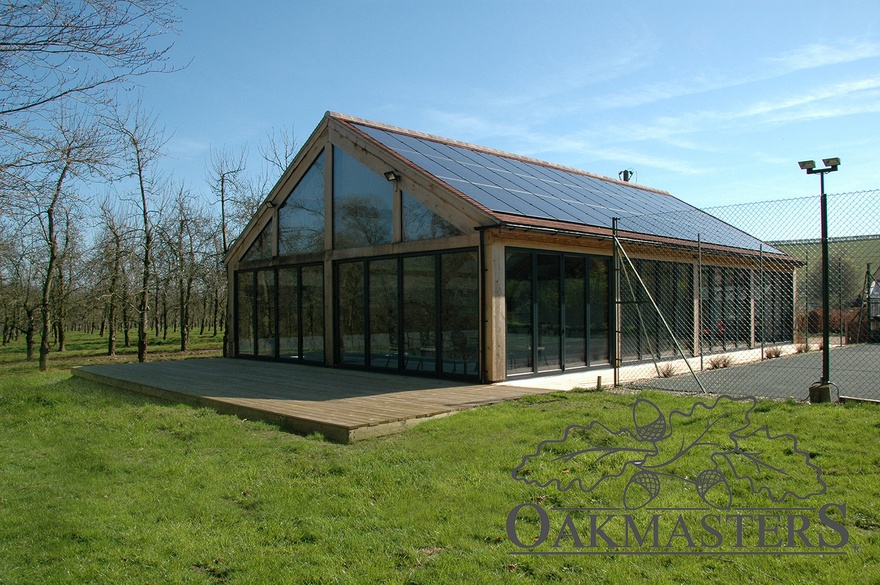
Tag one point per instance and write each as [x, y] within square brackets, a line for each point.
[491, 234]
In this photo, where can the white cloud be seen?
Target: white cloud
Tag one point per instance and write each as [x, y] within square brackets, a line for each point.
[188, 148]
[841, 99]
[821, 55]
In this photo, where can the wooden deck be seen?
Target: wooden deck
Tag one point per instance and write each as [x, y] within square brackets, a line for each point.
[343, 405]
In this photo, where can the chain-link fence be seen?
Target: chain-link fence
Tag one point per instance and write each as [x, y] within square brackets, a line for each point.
[729, 299]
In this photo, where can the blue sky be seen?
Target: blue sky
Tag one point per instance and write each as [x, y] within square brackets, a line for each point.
[714, 102]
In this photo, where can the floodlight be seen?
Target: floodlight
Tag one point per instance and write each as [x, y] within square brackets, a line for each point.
[820, 392]
[392, 175]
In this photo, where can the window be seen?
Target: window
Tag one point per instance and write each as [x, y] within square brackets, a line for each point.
[244, 300]
[575, 311]
[265, 312]
[420, 223]
[301, 216]
[518, 301]
[419, 308]
[350, 348]
[412, 313]
[362, 204]
[548, 328]
[261, 248]
[557, 311]
[280, 313]
[599, 300]
[774, 306]
[383, 313]
[644, 333]
[459, 314]
[311, 294]
[288, 312]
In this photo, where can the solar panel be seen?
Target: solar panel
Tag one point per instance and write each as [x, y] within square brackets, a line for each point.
[510, 185]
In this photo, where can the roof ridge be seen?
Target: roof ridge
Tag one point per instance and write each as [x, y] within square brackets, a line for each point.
[487, 150]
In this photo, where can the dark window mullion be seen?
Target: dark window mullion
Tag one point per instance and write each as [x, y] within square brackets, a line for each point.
[534, 325]
[236, 313]
[276, 349]
[337, 326]
[588, 316]
[561, 312]
[255, 318]
[300, 330]
[401, 361]
[366, 284]
[438, 328]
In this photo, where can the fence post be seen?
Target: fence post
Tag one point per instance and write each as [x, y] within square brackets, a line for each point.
[763, 295]
[700, 296]
[840, 301]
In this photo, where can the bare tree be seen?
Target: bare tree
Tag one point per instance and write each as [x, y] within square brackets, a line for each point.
[70, 52]
[186, 237]
[69, 258]
[22, 266]
[142, 148]
[74, 148]
[114, 244]
[223, 177]
[55, 49]
[279, 150]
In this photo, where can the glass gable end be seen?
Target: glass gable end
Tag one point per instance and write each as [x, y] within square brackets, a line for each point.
[301, 217]
[362, 204]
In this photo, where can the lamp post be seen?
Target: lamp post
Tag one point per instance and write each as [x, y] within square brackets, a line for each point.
[821, 392]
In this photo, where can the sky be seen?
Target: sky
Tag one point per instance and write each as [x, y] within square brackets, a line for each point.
[714, 102]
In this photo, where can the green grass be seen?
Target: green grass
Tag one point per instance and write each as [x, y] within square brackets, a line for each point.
[99, 485]
[83, 349]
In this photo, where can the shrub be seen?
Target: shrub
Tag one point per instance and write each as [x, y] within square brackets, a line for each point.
[719, 361]
[667, 371]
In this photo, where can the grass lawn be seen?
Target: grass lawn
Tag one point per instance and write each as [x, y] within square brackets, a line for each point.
[100, 485]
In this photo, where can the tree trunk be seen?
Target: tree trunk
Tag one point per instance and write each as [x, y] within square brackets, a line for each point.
[216, 310]
[29, 335]
[111, 309]
[50, 269]
[203, 320]
[184, 316]
[144, 300]
[126, 321]
[165, 315]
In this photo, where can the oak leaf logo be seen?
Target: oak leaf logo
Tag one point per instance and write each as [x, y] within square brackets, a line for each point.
[708, 446]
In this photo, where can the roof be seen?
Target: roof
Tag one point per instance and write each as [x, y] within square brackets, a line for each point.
[518, 190]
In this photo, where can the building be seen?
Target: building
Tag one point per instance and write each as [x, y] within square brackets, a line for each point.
[392, 250]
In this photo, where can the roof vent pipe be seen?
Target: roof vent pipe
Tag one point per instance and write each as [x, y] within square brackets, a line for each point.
[625, 175]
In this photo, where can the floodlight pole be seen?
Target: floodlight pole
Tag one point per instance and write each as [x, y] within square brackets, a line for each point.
[832, 165]
[826, 277]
